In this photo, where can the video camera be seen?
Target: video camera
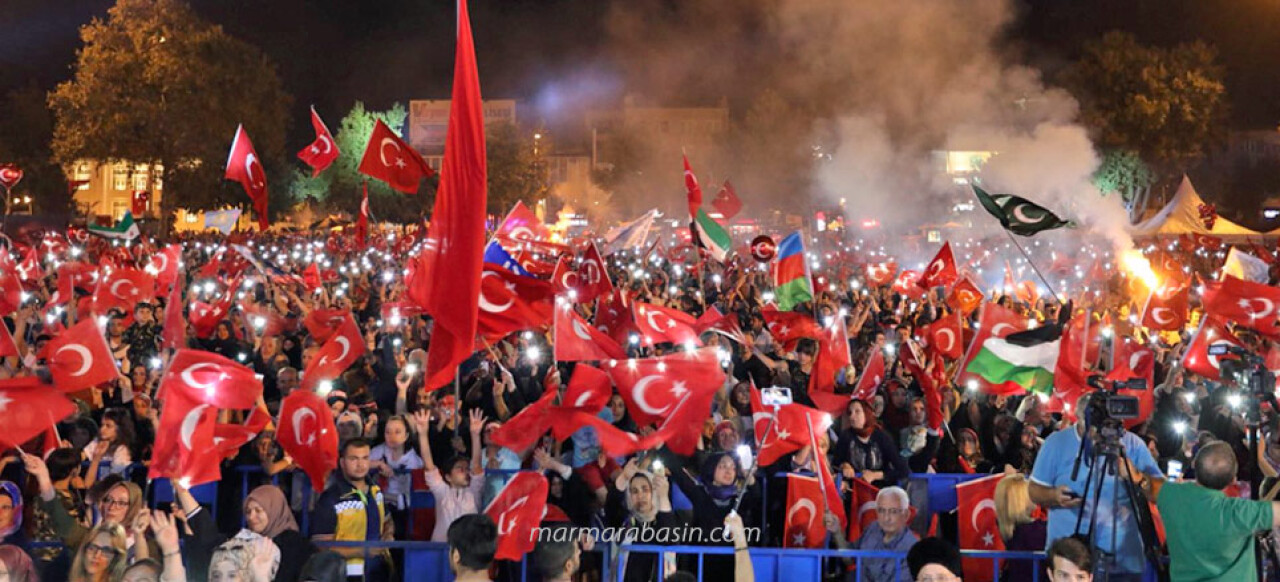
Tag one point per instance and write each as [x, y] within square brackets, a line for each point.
[1248, 371]
[1107, 411]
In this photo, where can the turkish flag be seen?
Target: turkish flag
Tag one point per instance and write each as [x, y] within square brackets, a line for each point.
[511, 302]
[565, 278]
[244, 166]
[336, 355]
[163, 265]
[804, 527]
[946, 336]
[122, 289]
[209, 378]
[576, 340]
[863, 503]
[715, 321]
[522, 224]
[880, 274]
[965, 296]
[1197, 360]
[916, 364]
[1249, 304]
[692, 191]
[79, 357]
[872, 375]
[174, 332]
[727, 201]
[29, 269]
[28, 408]
[184, 449]
[651, 387]
[613, 317]
[593, 278]
[789, 327]
[941, 270]
[833, 355]
[663, 324]
[1133, 360]
[533, 264]
[323, 151]
[140, 200]
[311, 277]
[453, 257]
[308, 435]
[518, 509]
[362, 223]
[10, 287]
[206, 316]
[1026, 292]
[390, 159]
[1167, 308]
[994, 321]
[976, 522]
[788, 433]
[521, 431]
[322, 324]
[588, 391]
[908, 284]
[1070, 375]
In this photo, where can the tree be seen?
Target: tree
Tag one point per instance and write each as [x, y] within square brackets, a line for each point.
[345, 182]
[155, 84]
[517, 168]
[1123, 172]
[1166, 104]
[25, 133]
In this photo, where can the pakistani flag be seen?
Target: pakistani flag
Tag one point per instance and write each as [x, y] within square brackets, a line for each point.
[712, 236]
[126, 229]
[1027, 359]
[1019, 215]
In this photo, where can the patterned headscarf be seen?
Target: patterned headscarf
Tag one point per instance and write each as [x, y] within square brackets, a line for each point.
[15, 494]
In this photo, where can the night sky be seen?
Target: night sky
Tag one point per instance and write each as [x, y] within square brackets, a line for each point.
[331, 52]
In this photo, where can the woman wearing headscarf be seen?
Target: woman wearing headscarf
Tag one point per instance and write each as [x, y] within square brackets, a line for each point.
[11, 515]
[713, 498]
[648, 503]
[17, 565]
[865, 449]
[266, 513]
[247, 557]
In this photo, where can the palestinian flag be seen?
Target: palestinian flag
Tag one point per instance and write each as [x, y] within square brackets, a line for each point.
[711, 236]
[791, 284]
[1019, 215]
[1026, 358]
[126, 229]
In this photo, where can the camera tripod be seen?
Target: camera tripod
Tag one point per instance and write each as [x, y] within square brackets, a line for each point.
[1106, 456]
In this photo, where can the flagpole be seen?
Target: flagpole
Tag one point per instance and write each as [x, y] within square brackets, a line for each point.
[1043, 279]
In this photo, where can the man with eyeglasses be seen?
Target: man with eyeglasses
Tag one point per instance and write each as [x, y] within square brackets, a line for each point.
[888, 533]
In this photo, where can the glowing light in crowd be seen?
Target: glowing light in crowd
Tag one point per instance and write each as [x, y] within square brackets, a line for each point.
[1234, 400]
[326, 386]
[971, 385]
[1180, 427]
[411, 368]
[533, 354]
[1138, 266]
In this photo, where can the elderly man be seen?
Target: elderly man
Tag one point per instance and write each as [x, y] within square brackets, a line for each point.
[888, 533]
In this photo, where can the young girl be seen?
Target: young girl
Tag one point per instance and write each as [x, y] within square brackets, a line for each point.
[391, 456]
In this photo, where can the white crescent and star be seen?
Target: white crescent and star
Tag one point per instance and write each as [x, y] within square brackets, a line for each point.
[298, 416]
[505, 527]
[115, 289]
[564, 279]
[86, 358]
[189, 423]
[382, 153]
[951, 339]
[806, 504]
[328, 144]
[490, 306]
[250, 161]
[346, 350]
[188, 376]
[984, 504]
[522, 233]
[579, 329]
[999, 327]
[1247, 305]
[1155, 315]
[638, 392]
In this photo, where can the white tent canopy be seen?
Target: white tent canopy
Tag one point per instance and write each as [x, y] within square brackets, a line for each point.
[1182, 216]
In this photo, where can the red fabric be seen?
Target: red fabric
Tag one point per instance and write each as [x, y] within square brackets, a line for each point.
[789, 327]
[576, 340]
[307, 433]
[727, 201]
[965, 296]
[1133, 360]
[593, 277]
[524, 429]
[863, 504]
[1070, 376]
[994, 321]
[651, 387]
[564, 277]
[454, 251]
[804, 526]
[613, 316]
[390, 159]
[79, 358]
[522, 224]
[596, 476]
[692, 191]
[509, 302]
[976, 522]
[29, 408]
[872, 374]
[336, 355]
[907, 284]
[163, 265]
[880, 274]
[789, 433]
[209, 378]
[945, 336]
[323, 151]
[518, 510]
[589, 390]
[122, 289]
[1167, 308]
[941, 270]
[174, 334]
[362, 222]
[714, 320]
[659, 324]
[10, 285]
[1197, 359]
[1249, 304]
[245, 167]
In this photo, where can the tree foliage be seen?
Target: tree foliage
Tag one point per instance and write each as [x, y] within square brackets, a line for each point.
[154, 83]
[339, 188]
[1123, 172]
[1167, 104]
[25, 132]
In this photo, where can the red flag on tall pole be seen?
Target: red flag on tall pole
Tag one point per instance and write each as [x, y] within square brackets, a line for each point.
[727, 201]
[455, 243]
[692, 189]
[323, 151]
[244, 167]
[389, 159]
[362, 223]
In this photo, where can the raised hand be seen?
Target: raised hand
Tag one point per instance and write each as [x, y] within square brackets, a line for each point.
[477, 421]
[165, 528]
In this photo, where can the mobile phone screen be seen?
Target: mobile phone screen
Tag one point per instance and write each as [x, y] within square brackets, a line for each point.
[1175, 469]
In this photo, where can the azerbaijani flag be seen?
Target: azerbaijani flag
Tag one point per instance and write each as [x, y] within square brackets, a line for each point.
[791, 283]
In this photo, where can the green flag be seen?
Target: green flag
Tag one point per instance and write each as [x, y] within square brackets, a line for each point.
[126, 229]
[1019, 215]
[1029, 366]
[712, 236]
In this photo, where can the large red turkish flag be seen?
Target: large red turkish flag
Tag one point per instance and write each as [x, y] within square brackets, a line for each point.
[576, 340]
[511, 303]
[593, 278]
[976, 523]
[727, 201]
[448, 285]
[524, 429]
[307, 433]
[804, 526]
[565, 277]
[613, 316]
[211, 379]
[123, 289]
[965, 296]
[522, 224]
[518, 509]
[29, 407]
[946, 336]
[390, 159]
[659, 324]
[1249, 304]
[323, 151]
[245, 167]
[651, 387]
[908, 283]
[1167, 308]
[788, 433]
[184, 449]
[693, 192]
[79, 358]
[789, 327]
[163, 265]
[1197, 359]
[336, 355]
[879, 274]
[941, 270]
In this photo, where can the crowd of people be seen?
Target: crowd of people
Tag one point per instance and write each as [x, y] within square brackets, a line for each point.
[85, 510]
